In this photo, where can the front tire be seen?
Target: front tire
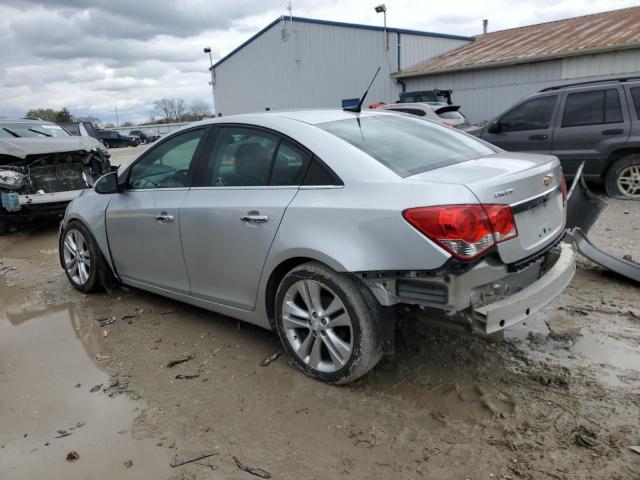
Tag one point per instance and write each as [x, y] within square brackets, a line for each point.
[325, 324]
[623, 178]
[81, 257]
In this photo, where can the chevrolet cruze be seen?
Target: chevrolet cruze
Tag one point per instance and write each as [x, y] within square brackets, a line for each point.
[318, 224]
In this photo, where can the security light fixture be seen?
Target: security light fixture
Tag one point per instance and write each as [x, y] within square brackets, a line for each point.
[381, 8]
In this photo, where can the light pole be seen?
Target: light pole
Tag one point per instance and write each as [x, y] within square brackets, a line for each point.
[382, 8]
[213, 94]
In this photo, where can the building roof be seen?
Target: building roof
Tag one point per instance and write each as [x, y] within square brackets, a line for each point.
[594, 33]
[338, 24]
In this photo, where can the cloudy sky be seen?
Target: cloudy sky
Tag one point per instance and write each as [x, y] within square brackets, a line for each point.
[91, 55]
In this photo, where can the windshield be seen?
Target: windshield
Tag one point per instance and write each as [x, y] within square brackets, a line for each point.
[31, 129]
[407, 145]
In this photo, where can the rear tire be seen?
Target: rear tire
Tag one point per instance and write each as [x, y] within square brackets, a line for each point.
[325, 324]
[81, 258]
[622, 179]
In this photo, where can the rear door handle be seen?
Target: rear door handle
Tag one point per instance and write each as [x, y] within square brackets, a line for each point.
[538, 137]
[613, 131]
[163, 217]
[255, 218]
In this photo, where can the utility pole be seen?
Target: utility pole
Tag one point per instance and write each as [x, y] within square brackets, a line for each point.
[211, 82]
[382, 8]
[117, 122]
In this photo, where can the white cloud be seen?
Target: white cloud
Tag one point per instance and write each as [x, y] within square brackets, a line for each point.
[93, 55]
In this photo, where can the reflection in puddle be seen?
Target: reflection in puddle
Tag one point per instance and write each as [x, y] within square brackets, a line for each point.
[45, 378]
[582, 342]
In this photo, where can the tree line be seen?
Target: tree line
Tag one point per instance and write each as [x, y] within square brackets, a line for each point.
[169, 109]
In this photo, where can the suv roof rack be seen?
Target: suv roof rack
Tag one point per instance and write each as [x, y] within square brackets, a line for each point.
[592, 82]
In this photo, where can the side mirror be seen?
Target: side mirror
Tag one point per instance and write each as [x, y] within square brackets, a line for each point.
[495, 127]
[107, 183]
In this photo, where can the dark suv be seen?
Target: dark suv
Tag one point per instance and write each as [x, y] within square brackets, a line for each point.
[145, 136]
[111, 139]
[597, 123]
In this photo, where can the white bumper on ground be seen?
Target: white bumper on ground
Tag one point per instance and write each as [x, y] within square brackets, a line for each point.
[41, 198]
[519, 306]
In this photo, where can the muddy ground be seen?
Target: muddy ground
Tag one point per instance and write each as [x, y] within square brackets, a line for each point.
[556, 398]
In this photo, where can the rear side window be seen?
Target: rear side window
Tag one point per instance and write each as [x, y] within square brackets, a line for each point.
[592, 108]
[635, 93]
[289, 165]
[318, 174]
[534, 114]
[407, 145]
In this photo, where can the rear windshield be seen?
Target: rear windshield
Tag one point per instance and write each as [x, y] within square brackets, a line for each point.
[452, 115]
[44, 130]
[407, 145]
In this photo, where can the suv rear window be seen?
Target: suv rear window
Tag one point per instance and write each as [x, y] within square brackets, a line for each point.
[592, 108]
[407, 145]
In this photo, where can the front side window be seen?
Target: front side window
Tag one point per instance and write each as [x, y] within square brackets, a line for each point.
[534, 114]
[241, 157]
[592, 108]
[167, 165]
[407, 145]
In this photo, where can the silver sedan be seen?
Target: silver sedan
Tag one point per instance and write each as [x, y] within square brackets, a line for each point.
[317, 224]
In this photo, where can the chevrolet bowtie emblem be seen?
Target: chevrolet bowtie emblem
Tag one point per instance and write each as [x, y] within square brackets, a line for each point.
[548, 180]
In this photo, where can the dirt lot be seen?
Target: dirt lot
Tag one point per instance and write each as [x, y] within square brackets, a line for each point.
[556, 398]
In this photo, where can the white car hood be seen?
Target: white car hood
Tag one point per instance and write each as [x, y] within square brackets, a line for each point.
[23, 147]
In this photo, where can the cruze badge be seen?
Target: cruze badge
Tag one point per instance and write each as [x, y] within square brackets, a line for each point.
[503, 193]
[548, 180]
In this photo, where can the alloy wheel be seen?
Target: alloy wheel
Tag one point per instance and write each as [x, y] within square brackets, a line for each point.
[317, 325]
[629, 181]
[77, 258]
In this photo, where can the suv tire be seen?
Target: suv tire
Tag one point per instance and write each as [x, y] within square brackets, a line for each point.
[622, 179]
[326, 324]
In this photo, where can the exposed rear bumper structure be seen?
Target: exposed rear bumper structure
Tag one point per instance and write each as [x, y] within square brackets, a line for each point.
[517, 307]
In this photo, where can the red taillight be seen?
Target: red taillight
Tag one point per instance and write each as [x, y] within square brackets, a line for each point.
[564, 190]
[465, 231]
[447, 124]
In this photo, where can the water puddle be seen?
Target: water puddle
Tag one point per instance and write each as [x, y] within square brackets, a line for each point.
[47, 369]
[607, 342]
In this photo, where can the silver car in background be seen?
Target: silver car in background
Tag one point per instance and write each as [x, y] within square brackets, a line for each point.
[317, 224]
[449, 115]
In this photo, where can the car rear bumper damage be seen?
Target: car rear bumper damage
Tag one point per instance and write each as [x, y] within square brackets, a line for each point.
[490, 296]
[531, 299]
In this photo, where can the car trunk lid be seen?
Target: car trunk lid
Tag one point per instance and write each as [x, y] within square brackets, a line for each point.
[530, 184]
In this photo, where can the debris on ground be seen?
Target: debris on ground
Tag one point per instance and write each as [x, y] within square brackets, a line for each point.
[138, 312]
[635, 448]
[187, 376]
[72, 456]
[180, 360]
[105, 320]
[128, 463]
[584, 437]
[175, 462]
[270, 358]
[95, 388]
[258, 472]
[104, 333]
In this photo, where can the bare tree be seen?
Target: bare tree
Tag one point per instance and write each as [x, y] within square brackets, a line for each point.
[165, 107]
[179, 108]
[199, 109]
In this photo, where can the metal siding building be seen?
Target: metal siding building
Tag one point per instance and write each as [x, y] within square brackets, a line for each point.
[499, 68]
[303, 63]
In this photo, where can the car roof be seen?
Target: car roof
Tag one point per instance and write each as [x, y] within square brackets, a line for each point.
[310, 116]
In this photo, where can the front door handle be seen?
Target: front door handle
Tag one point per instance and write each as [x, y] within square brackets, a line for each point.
[538, 137]
[163, 217]
[255, 218]
[612, 131]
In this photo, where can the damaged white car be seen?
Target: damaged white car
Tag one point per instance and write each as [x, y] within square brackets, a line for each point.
[43, 168]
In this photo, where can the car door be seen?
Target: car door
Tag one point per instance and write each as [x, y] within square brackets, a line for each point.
[230, 217]
[143, 222]
[528, 127]
[592, 120]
